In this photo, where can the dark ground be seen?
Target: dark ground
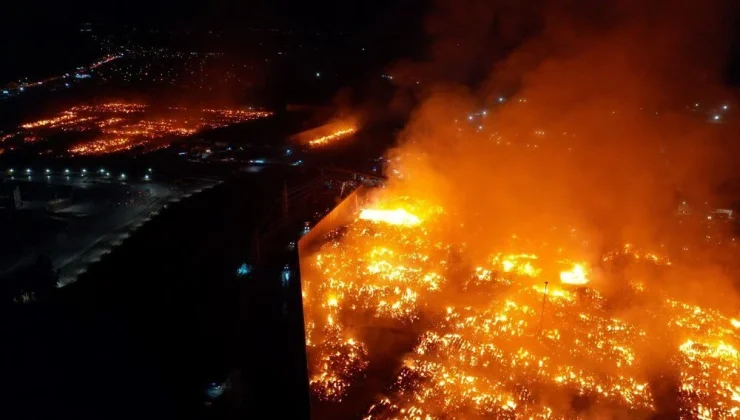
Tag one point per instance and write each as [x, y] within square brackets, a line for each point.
[142, 333]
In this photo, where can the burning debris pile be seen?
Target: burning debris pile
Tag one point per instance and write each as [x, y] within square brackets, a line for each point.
[124, 126]
[520, 335]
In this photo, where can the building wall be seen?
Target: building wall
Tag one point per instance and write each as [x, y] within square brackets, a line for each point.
[339, 216]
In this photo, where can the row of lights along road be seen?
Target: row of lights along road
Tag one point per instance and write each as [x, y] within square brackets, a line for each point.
[83, 171]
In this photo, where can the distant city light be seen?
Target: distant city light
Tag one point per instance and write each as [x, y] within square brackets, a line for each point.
[66, 171]
[484, 112]
[102, 171]
[146, 177]
[48, 170]
[10, 170]
[84, 170]
[123, 176]
[243, 270]
[500, 99]
[716, 118]
[286, 276]
[215, 390]
[150, 169]
[696, 104]
[724, 107]
[22, 89]
[470, 118]
[318, 74]
[28, 170]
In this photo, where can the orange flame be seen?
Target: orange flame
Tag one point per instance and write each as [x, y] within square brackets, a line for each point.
[392, 217]
[576, 275]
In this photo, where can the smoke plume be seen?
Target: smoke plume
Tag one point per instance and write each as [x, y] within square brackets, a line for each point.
[568, 113]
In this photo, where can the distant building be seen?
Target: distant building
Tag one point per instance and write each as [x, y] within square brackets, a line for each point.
[10, 197]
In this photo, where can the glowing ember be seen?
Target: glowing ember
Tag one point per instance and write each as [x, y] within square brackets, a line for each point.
[124, 126]
[630, 251]
[112, 107]
[51, 122]
[393, 217]
[103, 146]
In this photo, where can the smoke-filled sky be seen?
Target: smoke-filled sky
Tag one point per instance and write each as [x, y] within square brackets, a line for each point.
[604, 92]
[590, 118]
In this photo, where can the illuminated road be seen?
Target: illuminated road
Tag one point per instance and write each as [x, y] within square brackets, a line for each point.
[95, 226]
[78, 74]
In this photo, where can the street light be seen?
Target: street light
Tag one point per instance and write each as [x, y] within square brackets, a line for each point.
[146, 177]
[10, 170]
[66, 171]
[102, 171]
[28, 170]
[150, 169]
[48, 170]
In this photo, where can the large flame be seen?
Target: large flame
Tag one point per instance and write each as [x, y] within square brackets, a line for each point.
[393, 217]
[576, 275]
[332, 137]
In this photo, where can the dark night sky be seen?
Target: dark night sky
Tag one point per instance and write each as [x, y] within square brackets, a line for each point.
[322, 14]
[39, 34]
[383, 21]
